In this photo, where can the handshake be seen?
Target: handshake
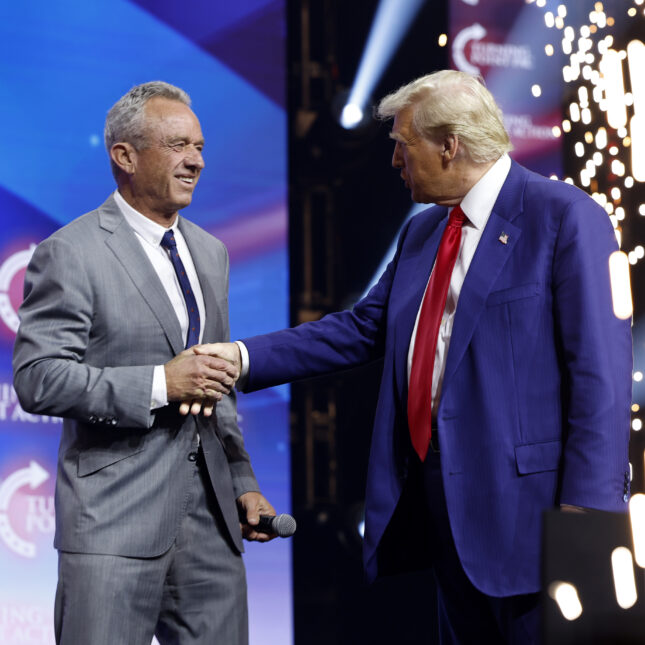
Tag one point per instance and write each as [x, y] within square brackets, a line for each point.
[201, 375]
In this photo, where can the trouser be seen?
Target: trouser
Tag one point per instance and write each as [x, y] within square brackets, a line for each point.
[466, 615]
[193, 594]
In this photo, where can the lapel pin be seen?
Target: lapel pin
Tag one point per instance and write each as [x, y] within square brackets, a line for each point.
[503, 238]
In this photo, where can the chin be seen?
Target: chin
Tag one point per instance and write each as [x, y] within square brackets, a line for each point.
[183, 201]
[422, 199]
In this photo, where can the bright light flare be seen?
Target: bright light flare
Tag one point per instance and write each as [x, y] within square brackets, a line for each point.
[636, 63]
[601, 138]
[583, 95]
[637, 136]
[637, 519]
[612, 70]
[566, 596]
[390, 24]
[621, 291]
[351, 116]
[622, 566]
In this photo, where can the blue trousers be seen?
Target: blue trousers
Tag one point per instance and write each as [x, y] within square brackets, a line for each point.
[466, 615]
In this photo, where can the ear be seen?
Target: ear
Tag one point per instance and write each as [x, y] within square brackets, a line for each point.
[124, 155]
[450, 147]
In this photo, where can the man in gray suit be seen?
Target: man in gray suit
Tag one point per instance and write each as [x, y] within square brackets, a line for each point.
[148, 499]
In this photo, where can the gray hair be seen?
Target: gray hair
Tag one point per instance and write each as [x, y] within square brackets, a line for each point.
[125, 120]
[452, 102]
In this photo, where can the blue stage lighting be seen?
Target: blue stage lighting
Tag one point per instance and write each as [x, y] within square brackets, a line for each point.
[391, 22]
[351, 116]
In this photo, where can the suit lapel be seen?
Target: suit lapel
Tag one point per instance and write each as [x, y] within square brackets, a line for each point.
[128, 251]
[495, 247]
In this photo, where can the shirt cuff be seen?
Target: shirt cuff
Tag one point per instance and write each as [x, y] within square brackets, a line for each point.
[244, 368]
[159, 396]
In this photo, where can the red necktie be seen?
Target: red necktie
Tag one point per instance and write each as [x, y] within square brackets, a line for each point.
[425, 346]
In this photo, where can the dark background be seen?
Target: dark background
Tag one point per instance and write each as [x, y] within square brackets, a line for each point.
[346, 205]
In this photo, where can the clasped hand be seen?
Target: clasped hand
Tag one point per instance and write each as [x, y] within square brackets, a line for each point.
[201, 375]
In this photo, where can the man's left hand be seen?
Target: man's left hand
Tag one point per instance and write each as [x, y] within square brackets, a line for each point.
[251, 506]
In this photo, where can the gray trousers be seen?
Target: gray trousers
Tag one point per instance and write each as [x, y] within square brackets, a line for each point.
[194, 594]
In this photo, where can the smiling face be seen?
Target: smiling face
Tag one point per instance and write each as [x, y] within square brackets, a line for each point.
[425, 164]
[162, 175]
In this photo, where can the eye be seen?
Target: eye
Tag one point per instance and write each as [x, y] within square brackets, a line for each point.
[178, 146]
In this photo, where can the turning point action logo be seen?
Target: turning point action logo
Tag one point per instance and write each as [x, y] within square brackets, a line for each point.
[487, 54]
[39, 513]
[9, 291]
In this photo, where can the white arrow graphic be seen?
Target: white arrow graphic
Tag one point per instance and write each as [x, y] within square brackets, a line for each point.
[474, 32]
[33, 476]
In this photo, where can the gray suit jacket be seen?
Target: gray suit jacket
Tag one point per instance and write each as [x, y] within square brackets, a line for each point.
[94, 323]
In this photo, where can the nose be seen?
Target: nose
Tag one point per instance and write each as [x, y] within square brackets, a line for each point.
[194, 158]
[397, 160]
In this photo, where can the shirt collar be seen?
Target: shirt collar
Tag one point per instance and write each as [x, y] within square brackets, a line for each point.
[150, 231]
[480, 199]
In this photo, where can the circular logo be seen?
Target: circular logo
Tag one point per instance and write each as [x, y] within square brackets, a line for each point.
[11, 274]
[33, 476]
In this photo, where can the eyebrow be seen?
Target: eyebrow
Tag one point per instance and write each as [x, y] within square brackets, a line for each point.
[397, 137]
[173, 141]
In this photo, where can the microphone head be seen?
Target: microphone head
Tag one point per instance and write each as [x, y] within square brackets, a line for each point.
[284, 525]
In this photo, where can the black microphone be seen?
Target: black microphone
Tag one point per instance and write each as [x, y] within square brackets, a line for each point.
[283, 525]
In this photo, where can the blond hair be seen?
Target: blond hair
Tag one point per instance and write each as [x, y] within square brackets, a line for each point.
[452, 102]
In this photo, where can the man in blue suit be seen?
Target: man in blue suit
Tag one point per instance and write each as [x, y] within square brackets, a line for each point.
[524, 403]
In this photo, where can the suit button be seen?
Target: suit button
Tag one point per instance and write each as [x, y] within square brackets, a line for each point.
[625, 497]
[113, 422]
[192, 456]
[92, 419]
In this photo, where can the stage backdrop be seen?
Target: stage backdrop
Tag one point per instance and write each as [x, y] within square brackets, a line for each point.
[62, 65]
[507, 42]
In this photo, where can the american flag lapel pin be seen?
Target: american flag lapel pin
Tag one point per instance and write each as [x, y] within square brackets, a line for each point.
[503, 238]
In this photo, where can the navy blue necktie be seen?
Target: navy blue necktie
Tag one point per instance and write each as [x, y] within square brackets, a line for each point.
[168, 242]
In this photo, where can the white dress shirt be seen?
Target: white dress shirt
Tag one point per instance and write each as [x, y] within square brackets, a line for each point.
[149, 234]
[477, 206]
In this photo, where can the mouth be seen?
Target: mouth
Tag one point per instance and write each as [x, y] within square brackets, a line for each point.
[189, 181]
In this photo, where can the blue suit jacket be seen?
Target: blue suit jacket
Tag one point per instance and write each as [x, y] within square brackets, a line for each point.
[536, 395]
